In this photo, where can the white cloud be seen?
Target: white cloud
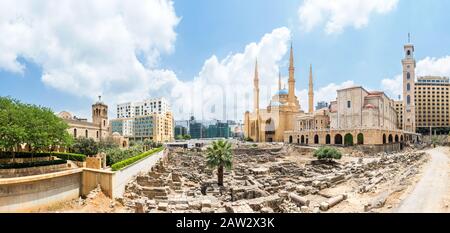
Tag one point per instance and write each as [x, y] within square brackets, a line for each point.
[434, 66]
[112, 48]
[231, 78]
[87, 48]
[339, 14]
[429, 66]
[393, 87]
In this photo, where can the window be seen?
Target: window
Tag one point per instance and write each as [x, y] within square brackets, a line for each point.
[408, 100]
[408, 87]
[408, 52]
[349, 104]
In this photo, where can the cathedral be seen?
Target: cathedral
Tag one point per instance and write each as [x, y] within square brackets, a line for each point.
[270, 124]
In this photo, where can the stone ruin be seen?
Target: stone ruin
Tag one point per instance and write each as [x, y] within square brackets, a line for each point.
[265, 183]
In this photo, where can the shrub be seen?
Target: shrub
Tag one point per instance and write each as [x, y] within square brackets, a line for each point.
[116, 155]
[32, 164]
[122, 164]
[327, 153]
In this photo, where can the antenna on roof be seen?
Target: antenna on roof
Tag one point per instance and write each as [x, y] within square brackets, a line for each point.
[409, 38]
[99, 98]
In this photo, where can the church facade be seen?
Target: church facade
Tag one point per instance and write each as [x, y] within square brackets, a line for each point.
[270, 124]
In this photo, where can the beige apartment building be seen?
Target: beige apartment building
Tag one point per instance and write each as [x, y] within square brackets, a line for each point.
[432, 105]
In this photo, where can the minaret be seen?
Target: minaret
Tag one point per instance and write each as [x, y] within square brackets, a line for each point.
[311, 91]
[409, 77]
[291, 96]
[279, 80]
[256, 100]
[256, 89]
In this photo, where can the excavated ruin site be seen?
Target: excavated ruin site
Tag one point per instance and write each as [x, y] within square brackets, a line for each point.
[275, 178]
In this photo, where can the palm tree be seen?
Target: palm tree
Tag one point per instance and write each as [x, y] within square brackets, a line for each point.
[219, 155]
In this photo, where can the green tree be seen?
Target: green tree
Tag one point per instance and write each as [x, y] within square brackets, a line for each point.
[107, 144]
[12, 132]
[219, 155]
[327, 153]
[179, 137]
[187, 137]
[85, 146]
[37, 127]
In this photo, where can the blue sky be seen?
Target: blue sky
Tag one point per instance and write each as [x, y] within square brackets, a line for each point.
[174, 49]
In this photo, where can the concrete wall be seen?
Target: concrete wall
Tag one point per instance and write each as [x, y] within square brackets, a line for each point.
[91, 178]
[29, 193]
[122, 177]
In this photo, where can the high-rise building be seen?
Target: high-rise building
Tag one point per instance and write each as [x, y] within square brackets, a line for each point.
[144, 108]
[432, 105]
[150, 119]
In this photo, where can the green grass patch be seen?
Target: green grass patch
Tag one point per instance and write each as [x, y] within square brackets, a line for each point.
[127, 162]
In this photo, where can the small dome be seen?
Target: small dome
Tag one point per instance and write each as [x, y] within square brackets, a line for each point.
[65, 115]
[116, 134]
[283, 92]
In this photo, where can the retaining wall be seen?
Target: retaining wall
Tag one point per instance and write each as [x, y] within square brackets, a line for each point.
[31, 193]
[24, 194]
[122, 177]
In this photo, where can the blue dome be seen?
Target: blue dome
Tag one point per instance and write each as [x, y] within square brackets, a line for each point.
[283, 92]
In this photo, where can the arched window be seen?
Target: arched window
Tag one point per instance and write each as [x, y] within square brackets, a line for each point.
[408, 52]
[408, 87]
[87, 135]
[408, 76]
[408, 100]
[328, 139]
[97, 134]
[75, 133]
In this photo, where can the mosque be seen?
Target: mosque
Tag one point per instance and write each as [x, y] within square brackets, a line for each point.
[270, 124]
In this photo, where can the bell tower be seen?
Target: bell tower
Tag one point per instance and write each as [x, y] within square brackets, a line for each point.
[100, 114]
[409, 77]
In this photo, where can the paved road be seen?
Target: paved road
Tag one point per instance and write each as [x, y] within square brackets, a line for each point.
[431, 192]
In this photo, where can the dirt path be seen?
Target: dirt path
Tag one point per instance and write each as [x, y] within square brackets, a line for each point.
[431, 193]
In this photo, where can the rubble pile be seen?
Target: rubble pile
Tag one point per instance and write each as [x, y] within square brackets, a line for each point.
[263, 182]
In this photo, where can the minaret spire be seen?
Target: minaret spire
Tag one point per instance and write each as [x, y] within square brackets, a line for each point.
[256, 88]
[311, 90]
[291, 96]
[256, 100]
[279, 80]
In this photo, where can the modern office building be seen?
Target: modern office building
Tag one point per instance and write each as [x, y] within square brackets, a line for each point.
[321, 105]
